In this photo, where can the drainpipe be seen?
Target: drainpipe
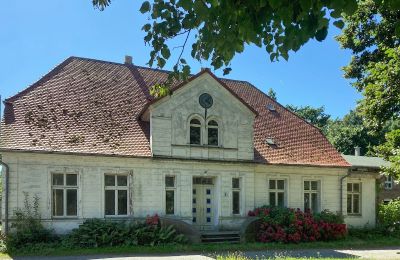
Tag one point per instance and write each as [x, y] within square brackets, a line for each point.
[341, 191]
[6, 174]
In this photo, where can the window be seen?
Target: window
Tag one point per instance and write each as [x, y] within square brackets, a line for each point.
[116, 195]
[170, 195]
[235, 195]
[195, 131]
[212, 132]
[353, 198]
[311, 195]
[277, 193]
[65, 194]
[388, 182]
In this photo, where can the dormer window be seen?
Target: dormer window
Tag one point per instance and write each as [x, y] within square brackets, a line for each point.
[195, 131]
[212, 132]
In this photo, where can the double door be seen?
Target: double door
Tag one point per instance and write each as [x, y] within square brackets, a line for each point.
[203, 203]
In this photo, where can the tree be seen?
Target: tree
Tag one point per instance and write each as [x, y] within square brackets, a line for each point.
[272, 94]
[315, 116]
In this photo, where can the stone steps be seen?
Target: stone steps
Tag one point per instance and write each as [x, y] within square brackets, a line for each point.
[221, 237]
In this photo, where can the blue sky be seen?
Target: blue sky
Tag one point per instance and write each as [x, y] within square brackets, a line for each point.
[35, 36]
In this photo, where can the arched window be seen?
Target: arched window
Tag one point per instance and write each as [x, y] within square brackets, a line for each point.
[212, 132]
[195, 131]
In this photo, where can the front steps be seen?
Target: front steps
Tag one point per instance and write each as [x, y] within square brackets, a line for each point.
[220, 237]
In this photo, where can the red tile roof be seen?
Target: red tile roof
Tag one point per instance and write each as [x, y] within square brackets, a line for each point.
[92, 107]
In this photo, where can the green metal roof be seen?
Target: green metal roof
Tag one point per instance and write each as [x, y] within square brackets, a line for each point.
[365, 161]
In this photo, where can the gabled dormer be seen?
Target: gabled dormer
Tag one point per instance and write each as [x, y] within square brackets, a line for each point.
[201, 119]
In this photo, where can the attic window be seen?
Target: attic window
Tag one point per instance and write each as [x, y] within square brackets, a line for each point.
[271, 107]
[270, 141]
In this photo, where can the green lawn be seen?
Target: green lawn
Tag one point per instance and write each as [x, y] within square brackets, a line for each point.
[348, 243]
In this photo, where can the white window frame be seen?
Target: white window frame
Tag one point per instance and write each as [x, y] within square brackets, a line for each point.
[276, 191]
[240, 195]
[388, 182]
[165, 194]
[116, 188]
[65, 187]
[310, 192]
[352, 193]
[214, 127]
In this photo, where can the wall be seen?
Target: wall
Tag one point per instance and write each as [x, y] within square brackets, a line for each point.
[169, 121]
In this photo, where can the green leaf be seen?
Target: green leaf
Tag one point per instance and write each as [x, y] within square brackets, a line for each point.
[145, 7]
[146, 27]
[165, 52]
[227, 71]
[339, 24]
[321, 34]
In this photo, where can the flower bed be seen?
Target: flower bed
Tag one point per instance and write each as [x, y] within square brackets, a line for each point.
[288, 225]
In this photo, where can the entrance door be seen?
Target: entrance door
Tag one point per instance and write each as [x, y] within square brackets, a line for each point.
[203, 203]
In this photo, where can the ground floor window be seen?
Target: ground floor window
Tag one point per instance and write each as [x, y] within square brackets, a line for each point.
[64, 194]
[170, 189]
[277, 193]
[236, 186]
[354, 198]
[116, 195]
[311, 195]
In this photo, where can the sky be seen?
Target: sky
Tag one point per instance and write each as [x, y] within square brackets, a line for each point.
[35, 36]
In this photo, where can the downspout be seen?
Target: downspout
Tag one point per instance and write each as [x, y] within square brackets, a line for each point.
[6, 175]
[341, 191]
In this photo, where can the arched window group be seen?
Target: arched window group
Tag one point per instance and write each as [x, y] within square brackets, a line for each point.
[195, 132]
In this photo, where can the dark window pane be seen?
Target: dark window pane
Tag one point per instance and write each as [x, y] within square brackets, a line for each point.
[236, 202]
[281, 184]
[235, 183]
[194, 201]
[58, 179]
[122, 180]
[314, 202]
[72, 202]
[306, 201]
[169, 202]
[272, 184]
[213, 123]
[195, 135]
[193, 210]
[349, 206]
[349, 187]
[356, 187]
[72, 179]
[194, 220]
[122, 202]
[208, 201]
[314, 185]
[58, 202]
[356, 204]
[208, 219]
[208, 191]
[281, 199]
[194, 191]
[169, 181]
[194, 122]
[110, 202]
[208, 210]
[213, 136]
[109, 180]
[306, 185]
[272, 199]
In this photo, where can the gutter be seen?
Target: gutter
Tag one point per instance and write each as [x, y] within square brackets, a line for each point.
[341, 191]
[6, 177]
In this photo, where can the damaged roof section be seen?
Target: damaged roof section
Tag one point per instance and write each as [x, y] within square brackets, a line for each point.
[93, 107]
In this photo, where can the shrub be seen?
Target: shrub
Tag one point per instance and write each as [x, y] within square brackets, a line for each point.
[292, 226]
[101, 233]
[27, 228]
[389, 216]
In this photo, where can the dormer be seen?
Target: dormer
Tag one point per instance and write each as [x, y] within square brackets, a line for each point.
[201, 119]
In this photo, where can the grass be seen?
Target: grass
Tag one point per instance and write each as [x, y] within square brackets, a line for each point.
[348, 243]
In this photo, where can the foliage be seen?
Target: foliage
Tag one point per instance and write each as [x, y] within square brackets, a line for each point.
[293, 226]
[272, 94]
[315, 116]
[389, 217]
[27, 226]
[390, 150]
[103, 233]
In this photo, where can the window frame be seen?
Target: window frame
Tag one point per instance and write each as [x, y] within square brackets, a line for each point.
[239, 191]
[388, 184]
[213, 127]
[310, 192]
[276, 191]
[200, 126]
[165, 194]
[352, 193]
[116, 188]
[64, 188]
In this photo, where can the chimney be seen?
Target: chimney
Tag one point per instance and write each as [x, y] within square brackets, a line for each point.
[128, 60]
[357, 151]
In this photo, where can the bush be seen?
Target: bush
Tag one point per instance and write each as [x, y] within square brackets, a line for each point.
[292, 226]
[27, 228]
[102, 233]
[389, 216]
